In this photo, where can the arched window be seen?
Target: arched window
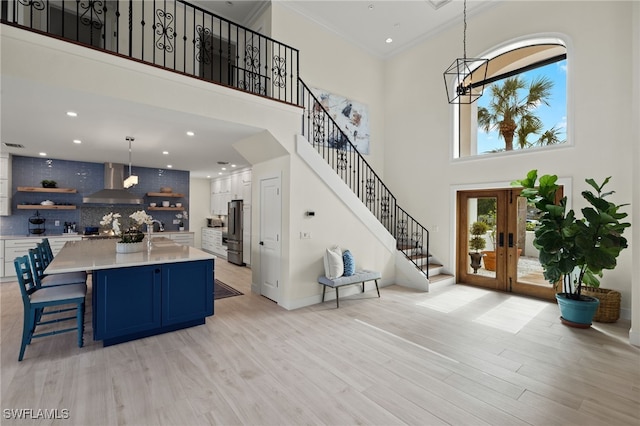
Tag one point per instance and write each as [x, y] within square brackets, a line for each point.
[524, 105]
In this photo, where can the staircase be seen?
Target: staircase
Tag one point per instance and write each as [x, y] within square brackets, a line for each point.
[335, 147]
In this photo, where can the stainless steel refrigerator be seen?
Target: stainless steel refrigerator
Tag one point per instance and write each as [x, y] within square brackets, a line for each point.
[234, 233]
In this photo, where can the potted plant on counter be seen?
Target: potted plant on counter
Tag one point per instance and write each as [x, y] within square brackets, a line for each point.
[477, 242]
[182, 217]
[575, 251]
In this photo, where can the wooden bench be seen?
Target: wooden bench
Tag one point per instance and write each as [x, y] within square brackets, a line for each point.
[357, 278]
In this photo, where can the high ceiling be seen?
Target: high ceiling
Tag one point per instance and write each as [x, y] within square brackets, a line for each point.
[106, 122]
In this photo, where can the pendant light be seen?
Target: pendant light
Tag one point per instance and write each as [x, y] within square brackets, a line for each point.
[131, 180]
[460, 76]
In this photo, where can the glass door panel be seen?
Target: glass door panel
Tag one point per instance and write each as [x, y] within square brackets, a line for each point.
[487, 209]
[527, 277]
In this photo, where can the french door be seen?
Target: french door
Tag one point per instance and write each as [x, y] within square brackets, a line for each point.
[509, 261]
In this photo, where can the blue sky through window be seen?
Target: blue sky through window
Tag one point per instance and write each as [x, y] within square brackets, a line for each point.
[553, 115]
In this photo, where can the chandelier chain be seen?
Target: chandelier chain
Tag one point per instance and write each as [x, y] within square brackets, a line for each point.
[464, 30]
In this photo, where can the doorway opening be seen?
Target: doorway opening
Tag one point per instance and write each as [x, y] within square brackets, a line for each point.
[509, 261]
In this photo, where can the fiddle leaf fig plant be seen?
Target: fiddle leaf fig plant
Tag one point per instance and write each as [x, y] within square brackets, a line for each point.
[574, 250]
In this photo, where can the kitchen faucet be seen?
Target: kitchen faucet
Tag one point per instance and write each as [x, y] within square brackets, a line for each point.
[160, 225]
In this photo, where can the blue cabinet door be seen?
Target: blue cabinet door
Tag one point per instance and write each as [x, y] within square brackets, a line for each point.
[187, 291]
[126, 301]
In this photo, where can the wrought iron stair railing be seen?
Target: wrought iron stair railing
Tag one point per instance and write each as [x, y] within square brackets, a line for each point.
[171, 34]
[340, 153]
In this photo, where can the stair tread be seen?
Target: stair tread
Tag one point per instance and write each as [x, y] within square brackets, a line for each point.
[418, 256]
[439, 277]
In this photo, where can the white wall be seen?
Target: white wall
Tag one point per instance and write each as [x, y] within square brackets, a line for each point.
[634, 334]
[418, 118]
[328, 62]
[199, 207]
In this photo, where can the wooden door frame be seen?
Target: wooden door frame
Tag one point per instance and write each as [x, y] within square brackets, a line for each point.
[511, 267]
[462, 255]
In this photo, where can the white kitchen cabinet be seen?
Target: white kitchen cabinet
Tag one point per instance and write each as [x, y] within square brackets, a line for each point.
[236, 186]
[221, 185]
[212, 242]
[5, 184]
[208, 236]
[246, 234]
[219, 203]
[20, 246]
[184, 238]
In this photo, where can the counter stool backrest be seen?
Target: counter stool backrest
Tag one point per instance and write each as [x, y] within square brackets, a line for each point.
[25, 277]
[47, 253]
[37, 266]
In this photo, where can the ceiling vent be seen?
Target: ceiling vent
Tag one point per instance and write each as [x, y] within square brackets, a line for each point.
[13, 145]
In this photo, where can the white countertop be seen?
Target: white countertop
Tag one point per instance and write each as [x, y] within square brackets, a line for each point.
[41, 236]
[89, 255]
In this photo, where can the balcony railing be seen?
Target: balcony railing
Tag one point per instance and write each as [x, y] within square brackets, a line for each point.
[172, 34]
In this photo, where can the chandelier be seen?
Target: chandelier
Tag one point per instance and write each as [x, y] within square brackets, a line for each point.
[459, 77]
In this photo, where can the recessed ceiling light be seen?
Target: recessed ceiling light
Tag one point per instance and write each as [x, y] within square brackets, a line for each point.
[219, 173]
[165, 152]
[208, 176]
[224, 168]
[78, 141]
[371, 7]
[389, 40]
[233, 165]
[190, 133]
[169, 166]
[43, 154]
[72, 114]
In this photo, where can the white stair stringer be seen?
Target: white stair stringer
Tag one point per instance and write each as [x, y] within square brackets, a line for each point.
[411, 276]
[407, 274]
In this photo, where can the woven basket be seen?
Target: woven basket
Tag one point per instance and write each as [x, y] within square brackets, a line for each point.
[609, 309]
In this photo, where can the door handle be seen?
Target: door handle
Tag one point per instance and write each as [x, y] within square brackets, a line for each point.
[261, 243]
[501, 239]
[510, 239]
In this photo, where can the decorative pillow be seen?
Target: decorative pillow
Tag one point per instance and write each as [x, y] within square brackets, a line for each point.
[333, 265]
[349, 263]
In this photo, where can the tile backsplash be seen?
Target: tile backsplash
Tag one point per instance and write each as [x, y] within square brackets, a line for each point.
[86, 178]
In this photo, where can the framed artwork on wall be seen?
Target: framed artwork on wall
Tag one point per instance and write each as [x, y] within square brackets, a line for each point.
[352, 118]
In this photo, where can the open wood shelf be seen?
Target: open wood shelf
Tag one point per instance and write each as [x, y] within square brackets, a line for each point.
[165, 194]
[166, 208]
[39, 189]
[41, 207]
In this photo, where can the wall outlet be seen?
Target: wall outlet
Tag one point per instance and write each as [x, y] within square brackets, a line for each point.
[305, 235]
[57, 223]
[176, 221]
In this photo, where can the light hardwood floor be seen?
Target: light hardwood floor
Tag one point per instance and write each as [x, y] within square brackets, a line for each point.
[457, 355]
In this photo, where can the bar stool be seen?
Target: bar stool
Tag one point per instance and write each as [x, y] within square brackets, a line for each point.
[38, 264]
[35, 299]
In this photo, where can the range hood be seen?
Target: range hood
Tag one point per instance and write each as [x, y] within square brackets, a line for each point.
[113, 192]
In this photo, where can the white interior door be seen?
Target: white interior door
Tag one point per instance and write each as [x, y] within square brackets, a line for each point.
[270, 218]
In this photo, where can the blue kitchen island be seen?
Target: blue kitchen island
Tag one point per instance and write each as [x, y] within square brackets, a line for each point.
[163, 288]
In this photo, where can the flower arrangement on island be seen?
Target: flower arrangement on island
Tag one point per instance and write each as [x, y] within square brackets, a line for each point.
[133, 234]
